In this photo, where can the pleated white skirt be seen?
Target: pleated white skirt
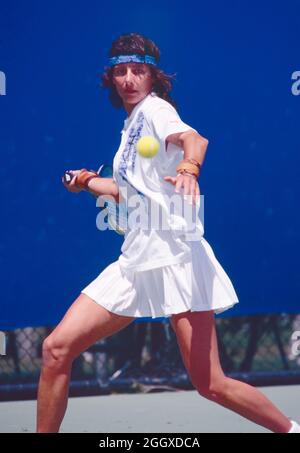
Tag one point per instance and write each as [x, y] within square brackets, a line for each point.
[198, 285]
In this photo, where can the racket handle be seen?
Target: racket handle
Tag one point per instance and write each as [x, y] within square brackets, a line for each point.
[83, 179]
[68, 176]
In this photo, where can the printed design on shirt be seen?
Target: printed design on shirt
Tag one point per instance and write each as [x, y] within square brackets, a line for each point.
[129, 154]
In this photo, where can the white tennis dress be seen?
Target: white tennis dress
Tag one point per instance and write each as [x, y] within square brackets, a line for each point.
[165, 267]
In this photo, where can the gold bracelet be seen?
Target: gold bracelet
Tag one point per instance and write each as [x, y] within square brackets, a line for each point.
[191, 168]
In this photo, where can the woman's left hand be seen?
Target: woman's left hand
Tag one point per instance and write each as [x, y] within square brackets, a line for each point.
[189, 183]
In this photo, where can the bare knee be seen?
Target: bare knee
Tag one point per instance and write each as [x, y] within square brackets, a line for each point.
[214, 390]
[56, 354]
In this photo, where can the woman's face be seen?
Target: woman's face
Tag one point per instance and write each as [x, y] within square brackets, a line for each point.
[133, 82]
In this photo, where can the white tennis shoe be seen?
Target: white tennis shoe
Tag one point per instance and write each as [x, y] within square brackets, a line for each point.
[295, 428]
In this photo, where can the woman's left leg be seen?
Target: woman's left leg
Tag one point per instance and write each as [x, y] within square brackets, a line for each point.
[197, 340]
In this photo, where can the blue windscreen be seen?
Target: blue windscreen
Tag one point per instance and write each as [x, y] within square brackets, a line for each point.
[238, 84]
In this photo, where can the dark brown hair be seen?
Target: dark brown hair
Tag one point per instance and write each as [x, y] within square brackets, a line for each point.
[134, 43]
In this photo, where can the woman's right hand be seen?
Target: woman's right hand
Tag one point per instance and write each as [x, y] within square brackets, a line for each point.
[71, 186]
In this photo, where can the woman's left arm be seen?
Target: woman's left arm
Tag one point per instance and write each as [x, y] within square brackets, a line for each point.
[194, 146]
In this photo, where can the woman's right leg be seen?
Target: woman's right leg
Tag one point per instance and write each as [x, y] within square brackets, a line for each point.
[84, 323]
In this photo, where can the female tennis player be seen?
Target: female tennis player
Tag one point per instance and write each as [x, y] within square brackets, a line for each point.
[169, 271]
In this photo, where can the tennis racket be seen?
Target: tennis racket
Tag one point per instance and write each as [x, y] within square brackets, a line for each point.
[117, 215]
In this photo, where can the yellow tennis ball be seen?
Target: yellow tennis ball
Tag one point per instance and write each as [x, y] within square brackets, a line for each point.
[147, 146]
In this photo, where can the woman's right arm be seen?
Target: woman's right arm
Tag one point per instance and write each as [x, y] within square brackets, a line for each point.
[104, 186]
[97, 186]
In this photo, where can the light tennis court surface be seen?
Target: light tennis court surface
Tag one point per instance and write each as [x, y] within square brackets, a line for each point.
[166, 412]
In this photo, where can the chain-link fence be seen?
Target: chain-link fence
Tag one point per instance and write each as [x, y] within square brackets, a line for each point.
[145, 357]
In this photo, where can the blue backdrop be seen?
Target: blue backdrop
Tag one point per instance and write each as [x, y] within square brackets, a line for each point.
[234, 63]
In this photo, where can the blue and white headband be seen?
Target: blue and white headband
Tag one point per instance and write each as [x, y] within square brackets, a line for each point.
[132, 59]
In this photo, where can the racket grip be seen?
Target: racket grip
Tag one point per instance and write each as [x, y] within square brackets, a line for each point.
[68, 176]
